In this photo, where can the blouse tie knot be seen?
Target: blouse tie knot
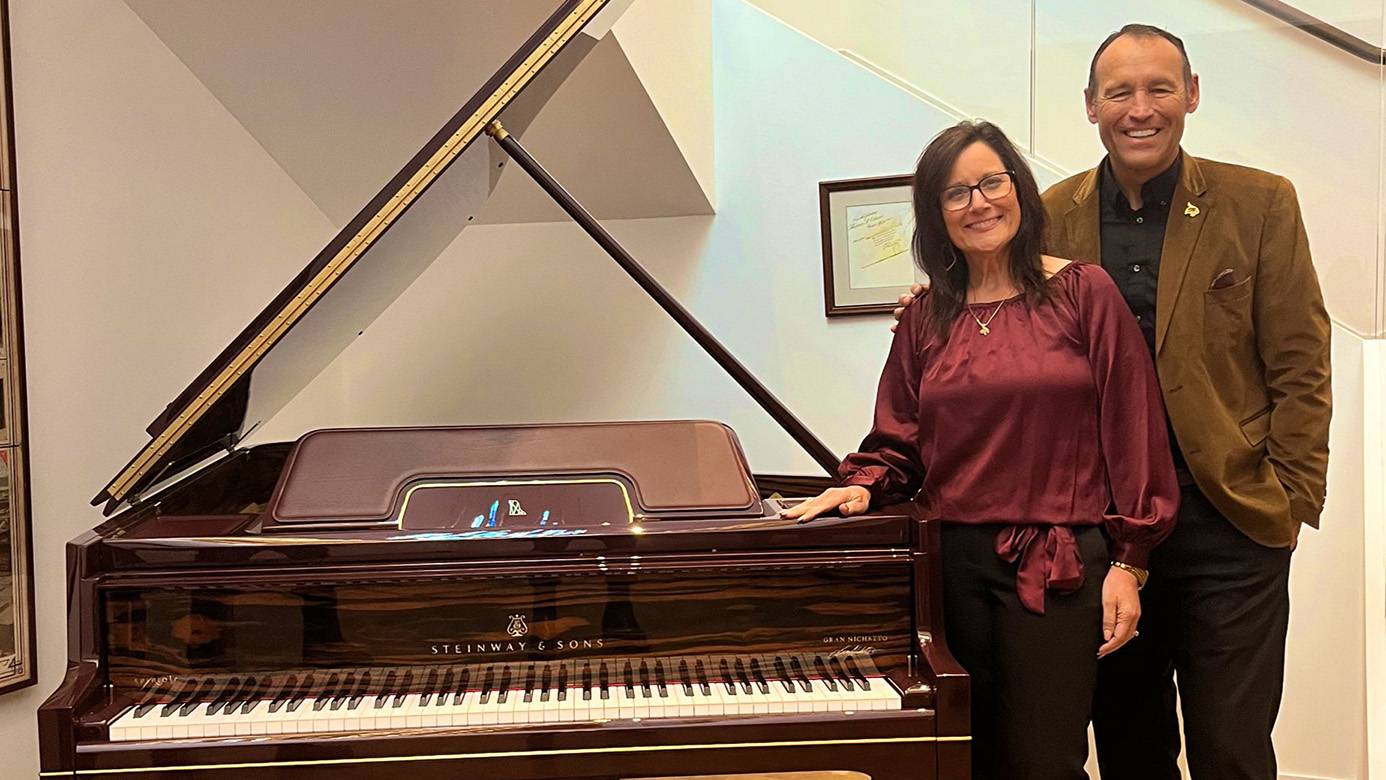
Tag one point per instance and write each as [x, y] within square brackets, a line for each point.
[1053, 563]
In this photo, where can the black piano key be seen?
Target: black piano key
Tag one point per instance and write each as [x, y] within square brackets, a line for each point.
[800, 675]
[587, 681]
[362, 686]
[856, 672]
[255, 694]
[685, 678]
[184, 694]
[546, 684]
[224, 697]
[150, 699]
[233, 697]
[604, 680]
[249, 693]
[822, 670]
[487, 684]
[562, 682]
[282, 698]
[727, 680]
[328, 692]
[703, 683]
[462, 680]
[529, 684]
[345, 692]
[742, 677]
[644, 679]
[202, 696]
[429, 686]
[759, 677]
[402, 692]
[628, 674]
[504, 684]
[661, 682]
[385, 690]
[840, 672]
[305, 689]
[783, 672]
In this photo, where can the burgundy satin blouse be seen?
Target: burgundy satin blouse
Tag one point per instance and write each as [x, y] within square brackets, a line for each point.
[1051, 420]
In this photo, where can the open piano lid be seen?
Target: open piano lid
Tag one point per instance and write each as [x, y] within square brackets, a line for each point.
[361, 271]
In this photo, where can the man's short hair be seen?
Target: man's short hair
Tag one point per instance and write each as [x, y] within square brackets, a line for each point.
[1140, 31]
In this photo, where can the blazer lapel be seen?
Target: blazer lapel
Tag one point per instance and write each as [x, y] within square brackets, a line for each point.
[1188, 212]
[1083, 220]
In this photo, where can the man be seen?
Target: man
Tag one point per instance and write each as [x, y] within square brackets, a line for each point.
[1214, 262]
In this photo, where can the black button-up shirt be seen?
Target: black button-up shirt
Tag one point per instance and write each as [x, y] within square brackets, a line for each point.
[1132, 241]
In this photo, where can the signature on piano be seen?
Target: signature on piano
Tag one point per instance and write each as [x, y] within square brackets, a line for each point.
[855, 644]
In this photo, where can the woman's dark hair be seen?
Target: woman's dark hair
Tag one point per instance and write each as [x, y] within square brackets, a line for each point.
[934, 251]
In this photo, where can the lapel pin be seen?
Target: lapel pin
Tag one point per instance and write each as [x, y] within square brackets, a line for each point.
[1191, 210]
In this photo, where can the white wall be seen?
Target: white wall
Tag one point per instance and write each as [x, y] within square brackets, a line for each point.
[152, 228]
[568, 336]
[936, 46]
[1374, 555]
[668, 43]
[1321, 732]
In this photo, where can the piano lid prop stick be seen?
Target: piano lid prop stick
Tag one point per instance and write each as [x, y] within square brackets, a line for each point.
[791, 424]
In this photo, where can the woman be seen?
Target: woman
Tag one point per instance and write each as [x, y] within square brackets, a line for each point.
[1019, 406]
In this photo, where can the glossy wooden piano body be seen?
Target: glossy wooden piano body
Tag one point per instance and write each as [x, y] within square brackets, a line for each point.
[192, 590]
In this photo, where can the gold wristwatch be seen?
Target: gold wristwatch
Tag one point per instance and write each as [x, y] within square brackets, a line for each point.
[1140, 574]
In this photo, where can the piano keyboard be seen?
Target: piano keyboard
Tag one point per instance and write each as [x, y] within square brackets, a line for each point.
[324, 701]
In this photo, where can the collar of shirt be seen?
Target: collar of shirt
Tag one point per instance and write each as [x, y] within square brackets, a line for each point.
[1159, 190]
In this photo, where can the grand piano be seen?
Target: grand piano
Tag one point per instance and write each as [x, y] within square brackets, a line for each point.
[587, 600]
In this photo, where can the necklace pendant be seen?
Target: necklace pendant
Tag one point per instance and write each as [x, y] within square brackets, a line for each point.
[985, 330]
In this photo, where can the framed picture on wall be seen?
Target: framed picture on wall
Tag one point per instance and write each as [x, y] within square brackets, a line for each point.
[867, 227]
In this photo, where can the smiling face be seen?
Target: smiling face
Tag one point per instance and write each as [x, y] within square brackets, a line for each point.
[1139, 102]
[984, 226]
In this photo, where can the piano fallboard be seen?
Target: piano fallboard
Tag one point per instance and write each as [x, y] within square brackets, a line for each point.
[160, 625]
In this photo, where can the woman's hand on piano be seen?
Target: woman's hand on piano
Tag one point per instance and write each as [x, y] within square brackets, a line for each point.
[846, 501]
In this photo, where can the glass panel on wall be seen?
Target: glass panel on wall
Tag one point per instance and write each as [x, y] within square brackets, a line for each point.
[972, 59]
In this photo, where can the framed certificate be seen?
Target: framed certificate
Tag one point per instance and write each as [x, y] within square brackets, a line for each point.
[868, 225]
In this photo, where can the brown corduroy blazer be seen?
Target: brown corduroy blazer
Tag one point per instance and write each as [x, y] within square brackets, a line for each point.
[1241, 338]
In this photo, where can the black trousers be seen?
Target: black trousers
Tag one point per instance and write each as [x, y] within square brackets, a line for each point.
[1215, 613]
[1032, 675]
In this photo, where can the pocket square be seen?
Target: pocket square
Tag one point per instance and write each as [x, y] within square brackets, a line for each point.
[1225, 278]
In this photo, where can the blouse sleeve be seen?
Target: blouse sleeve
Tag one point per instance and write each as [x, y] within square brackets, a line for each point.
[887, 463]
[1131, 422]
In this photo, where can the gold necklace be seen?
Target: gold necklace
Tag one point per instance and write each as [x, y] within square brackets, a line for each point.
[981, 324]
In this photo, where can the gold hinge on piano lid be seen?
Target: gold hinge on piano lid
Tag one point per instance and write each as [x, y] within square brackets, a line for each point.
[226, 444]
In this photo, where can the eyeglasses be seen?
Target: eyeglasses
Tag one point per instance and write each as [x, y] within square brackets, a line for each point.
[993, 187]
